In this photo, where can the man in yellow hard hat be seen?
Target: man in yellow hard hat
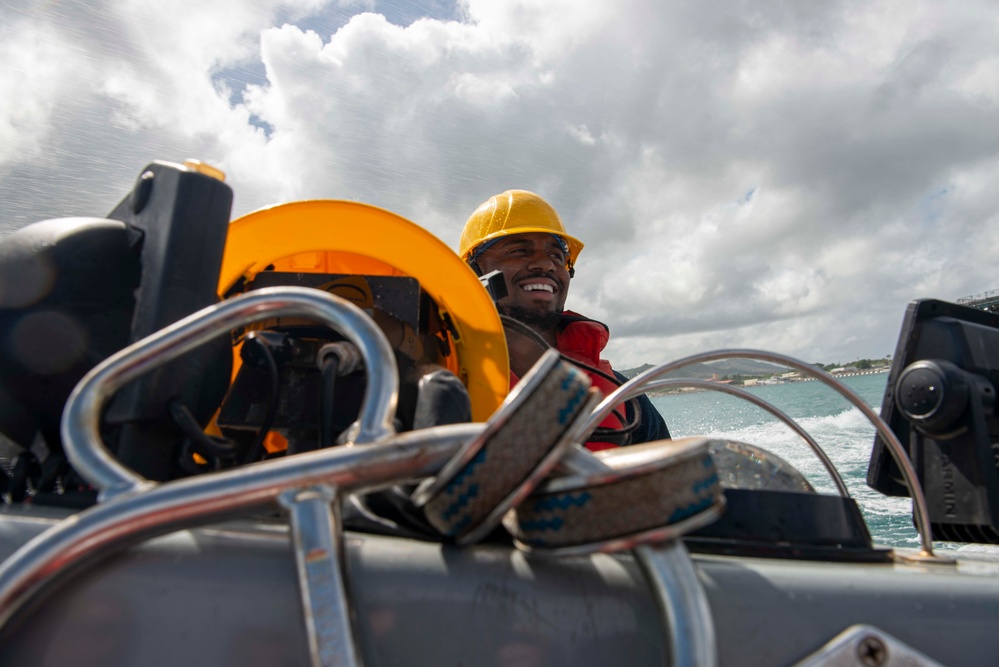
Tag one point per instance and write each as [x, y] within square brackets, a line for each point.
[519, 234]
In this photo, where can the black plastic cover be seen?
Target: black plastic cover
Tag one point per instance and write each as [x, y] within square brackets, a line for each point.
[183, 216]
[66, 302]
[953, 452]
[784, 524]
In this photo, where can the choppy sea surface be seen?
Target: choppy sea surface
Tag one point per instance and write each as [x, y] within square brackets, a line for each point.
[840, 428]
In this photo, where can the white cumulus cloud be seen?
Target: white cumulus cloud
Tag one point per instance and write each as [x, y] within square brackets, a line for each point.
[765, 175]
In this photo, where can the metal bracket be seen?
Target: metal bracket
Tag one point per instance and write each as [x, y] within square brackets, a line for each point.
[682, 602]
[866, 646]
[315, 528]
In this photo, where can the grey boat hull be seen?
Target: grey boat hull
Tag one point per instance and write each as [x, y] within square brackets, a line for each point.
[228, 595]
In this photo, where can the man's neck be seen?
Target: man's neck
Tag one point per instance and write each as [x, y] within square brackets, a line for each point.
[548, 335]
[545, 325]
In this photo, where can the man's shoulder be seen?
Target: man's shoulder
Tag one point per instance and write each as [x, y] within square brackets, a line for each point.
[582, 335]
[571, 318]
[584, 340]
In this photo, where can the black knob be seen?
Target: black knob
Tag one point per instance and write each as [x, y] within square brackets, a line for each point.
[932, 395]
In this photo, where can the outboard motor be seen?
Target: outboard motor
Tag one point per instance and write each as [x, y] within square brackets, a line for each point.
[941, 400]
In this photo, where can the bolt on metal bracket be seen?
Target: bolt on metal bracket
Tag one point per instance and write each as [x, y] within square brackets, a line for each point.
[866, 646]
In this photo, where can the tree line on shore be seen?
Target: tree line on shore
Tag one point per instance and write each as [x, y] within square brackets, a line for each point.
[739, 371]
[859, 365]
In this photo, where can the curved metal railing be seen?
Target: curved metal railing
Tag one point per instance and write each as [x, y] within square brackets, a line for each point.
[81, 417]
[758, 402]
[645, 379]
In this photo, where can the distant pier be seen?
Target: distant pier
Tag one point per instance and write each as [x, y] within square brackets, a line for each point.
[850, 374]
[985, 301]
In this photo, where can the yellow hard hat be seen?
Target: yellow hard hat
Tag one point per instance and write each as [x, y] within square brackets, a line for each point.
[514, 212]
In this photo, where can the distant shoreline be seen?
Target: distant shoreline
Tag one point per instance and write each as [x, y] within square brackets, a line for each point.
[875, 371]
[671, 391]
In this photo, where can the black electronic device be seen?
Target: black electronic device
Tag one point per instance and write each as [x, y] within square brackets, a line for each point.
[940, 403]
[75, 290]
[495, 284]
[183, 216]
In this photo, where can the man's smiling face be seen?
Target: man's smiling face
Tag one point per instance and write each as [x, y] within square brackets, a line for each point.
[537, 280]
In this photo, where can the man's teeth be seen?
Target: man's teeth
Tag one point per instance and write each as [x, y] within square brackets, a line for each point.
[539, 287]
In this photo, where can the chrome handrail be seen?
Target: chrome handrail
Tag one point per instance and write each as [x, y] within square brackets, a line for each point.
[128, 519]
[314, 514]
[134, 508]
[760, 403]
[921, 513]
[682, 603]
[81, 418]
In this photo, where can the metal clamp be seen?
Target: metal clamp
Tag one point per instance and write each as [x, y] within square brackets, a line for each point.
[867, 646]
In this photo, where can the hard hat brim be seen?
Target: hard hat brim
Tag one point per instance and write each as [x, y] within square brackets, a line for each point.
[574, 244]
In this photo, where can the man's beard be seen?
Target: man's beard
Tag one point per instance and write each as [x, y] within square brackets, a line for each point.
[539, 321]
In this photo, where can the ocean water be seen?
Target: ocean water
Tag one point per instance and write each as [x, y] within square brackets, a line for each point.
[841, 429]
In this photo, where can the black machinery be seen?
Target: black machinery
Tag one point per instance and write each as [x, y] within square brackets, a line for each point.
[74, 291]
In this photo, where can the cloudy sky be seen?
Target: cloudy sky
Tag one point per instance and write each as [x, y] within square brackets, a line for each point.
[776, 174]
